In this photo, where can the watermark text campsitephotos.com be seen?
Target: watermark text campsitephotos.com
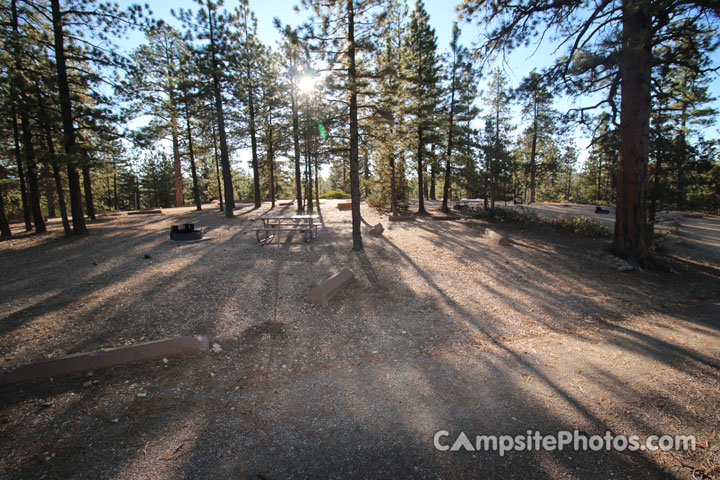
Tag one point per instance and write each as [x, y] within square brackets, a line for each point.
[562, 440]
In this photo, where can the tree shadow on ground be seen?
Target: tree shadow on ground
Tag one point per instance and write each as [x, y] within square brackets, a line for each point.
[355, 389]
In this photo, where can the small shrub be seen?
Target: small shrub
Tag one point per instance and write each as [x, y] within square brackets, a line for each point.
[505, 215]
[583, 226]
[335, 194]
[376, 203]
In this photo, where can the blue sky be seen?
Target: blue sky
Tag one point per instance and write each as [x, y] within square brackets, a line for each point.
[442, 15]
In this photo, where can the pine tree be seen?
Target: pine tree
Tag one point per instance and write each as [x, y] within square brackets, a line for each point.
[221, 46]
[611, 45]
[421, 76]
[386, 120]
[496, 135]
[461, 112]
[537, 107]
[248, 72]
[273, 97]
[152, 89]
[19, 97]
[342, 24]
[291, 51]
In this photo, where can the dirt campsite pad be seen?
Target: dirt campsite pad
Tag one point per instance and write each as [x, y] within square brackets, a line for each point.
[441, 330]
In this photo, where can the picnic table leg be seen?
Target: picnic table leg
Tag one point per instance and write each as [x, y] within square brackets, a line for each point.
[258, 234]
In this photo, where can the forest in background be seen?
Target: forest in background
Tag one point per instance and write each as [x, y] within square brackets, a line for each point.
[363, 91]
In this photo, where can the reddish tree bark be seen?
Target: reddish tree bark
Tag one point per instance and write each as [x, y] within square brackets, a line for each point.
[630, 239]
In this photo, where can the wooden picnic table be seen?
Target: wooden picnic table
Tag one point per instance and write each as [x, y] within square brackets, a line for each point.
[274, 224]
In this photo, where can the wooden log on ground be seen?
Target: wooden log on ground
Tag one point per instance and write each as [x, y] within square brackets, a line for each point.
[401, 218]
[344, 206]
[148, 211]
[498, 238]
[377, 229]
[321, 294]
[111, 357]
[286, 203]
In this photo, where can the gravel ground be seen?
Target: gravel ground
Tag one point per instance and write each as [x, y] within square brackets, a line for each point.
[440, 330]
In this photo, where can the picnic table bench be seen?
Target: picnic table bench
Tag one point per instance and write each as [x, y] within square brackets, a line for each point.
[274, 224]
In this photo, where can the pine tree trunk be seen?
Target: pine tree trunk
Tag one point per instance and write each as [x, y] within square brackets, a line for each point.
[193, 169]
[271, 167]
[21, 174]
[485, 185]
[599, 180]
[32, 174]
[366, 173]
[354, 139]
[532, 157]
[19, 97]
[115, 187]
[58, 180]
[433, 176]
[61, 199]
[345, 189]
[177, 165]
[220, 118]
[217, 168]
[448, 164]
[681, 181]
[317, 181]
[494, 170]
[224, 156]
[654, 193]
[296, 144]
[4, 225]
[393, 188]
[425, 183]
[87, 185]
[420, 171]
[76, 206]
[253, 144]
[630, 239]
[308, 171]
[49, 197]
